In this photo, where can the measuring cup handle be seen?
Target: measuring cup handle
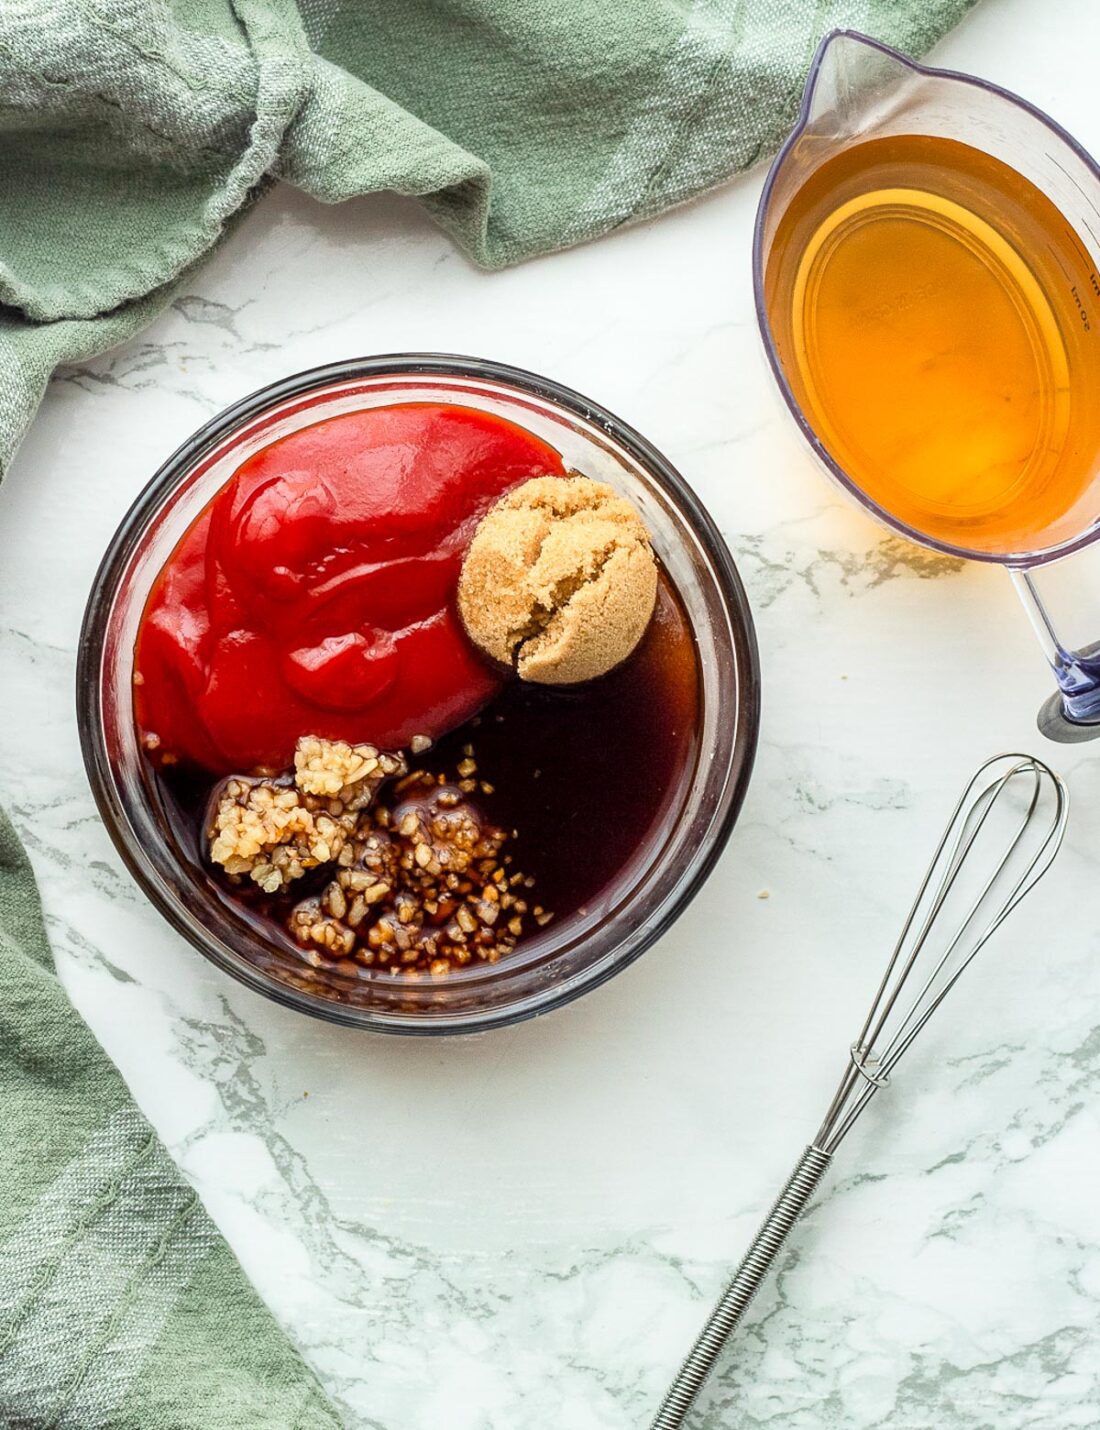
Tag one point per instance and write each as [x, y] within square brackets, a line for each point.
[1072, 713]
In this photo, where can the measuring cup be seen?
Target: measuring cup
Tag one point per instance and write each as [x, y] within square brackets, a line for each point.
[859, 89]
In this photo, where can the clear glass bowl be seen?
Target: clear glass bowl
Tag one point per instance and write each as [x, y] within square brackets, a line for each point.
[561, 962]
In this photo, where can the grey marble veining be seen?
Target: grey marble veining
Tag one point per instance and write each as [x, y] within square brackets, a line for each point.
[524, 1229]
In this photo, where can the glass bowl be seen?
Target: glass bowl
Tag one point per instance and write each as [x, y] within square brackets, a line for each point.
[559, 963]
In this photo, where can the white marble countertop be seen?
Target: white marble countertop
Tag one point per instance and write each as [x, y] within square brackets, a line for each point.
[521, 1231]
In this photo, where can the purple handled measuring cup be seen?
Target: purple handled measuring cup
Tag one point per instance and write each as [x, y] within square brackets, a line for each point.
[857, 90]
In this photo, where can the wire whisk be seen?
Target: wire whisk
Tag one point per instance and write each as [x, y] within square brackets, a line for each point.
[1002, 838]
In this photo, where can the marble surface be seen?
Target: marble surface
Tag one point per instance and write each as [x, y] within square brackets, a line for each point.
[524, 1229]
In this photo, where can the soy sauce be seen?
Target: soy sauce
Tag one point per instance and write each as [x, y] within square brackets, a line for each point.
[583, 778]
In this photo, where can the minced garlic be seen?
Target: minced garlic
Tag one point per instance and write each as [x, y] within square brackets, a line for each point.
[331, 769]
[273, 832]
[417, 884]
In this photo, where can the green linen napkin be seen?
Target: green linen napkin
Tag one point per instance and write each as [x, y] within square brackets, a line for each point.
[132, 131]
[120, 1306]
[131, 134]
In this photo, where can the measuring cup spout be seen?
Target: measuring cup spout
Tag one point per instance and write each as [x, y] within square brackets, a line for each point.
[853, 82]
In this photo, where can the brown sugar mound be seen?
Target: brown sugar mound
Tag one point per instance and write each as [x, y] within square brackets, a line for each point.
[560, 580]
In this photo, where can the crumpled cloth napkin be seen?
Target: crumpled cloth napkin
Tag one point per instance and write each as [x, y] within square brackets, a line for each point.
[132, 132]
[121, 1308]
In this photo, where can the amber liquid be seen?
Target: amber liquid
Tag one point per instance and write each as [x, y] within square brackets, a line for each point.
[585, 777]
[936, 317]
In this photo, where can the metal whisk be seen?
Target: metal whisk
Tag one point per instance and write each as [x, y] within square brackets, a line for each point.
[1002, 837]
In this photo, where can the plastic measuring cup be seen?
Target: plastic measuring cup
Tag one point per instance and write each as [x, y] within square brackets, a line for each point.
[858, 89]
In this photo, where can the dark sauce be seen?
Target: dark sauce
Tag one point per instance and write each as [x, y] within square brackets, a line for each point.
[584, 778]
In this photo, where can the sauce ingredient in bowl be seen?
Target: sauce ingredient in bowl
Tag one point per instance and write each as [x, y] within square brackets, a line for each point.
[314, 594]
[410, 877]
[370, 791]
[559, 581]
[582, 779]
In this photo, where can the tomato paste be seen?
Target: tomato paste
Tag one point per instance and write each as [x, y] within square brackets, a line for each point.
[315, 593]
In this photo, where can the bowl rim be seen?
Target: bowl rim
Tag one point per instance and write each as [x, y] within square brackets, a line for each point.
[120, 549]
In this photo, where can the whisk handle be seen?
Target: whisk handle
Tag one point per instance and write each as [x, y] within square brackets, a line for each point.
[734, 1301]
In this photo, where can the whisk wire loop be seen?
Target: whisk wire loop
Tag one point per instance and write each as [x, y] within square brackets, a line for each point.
[1019, 847]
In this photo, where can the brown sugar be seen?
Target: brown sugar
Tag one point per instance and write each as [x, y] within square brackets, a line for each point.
[560, 580]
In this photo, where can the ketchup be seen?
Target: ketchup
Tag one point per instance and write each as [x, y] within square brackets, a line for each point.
[315, 593]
